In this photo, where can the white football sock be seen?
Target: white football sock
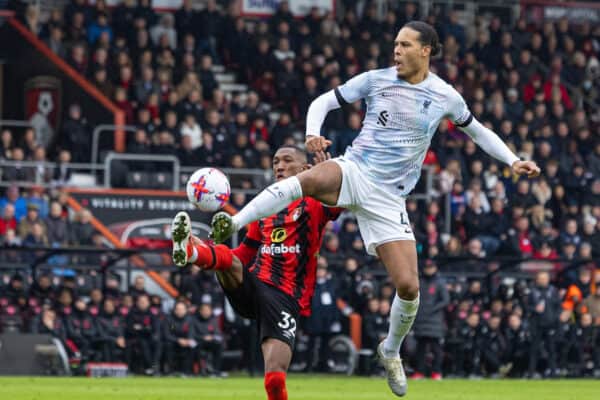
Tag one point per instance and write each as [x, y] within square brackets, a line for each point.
[268, 202]
[402, 316]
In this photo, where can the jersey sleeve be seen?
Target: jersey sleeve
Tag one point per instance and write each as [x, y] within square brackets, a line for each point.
[247, 250]
[355, 89]
[458, 111]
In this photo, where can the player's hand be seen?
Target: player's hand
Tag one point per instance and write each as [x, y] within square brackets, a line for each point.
[315, 144]
[121, 342]
[321, 156]
[528, 168]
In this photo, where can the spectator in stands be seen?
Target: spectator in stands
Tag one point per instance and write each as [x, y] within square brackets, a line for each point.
[32, 217]
[469, 355]
[209, 337]
[179, 340]
[48, 323]
[16, 172]
[544, 303]
[145, 86]
[55, 41]
[142, 336]
[81, 330]
[139, 287]
[324, 322]
[578, 291]
[62, 173]
[429, 326]
[76, 134]
[82, 229]
[98, 28]
[6, 144]
[13, 197]
[37, 236]
[165, 29]
[190, 127]
[41, 289]
[493, 347]
[111, 328]
[8, 220]
[517, 352]
[15, 289]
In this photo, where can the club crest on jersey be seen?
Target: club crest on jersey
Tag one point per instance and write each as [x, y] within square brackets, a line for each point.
[278, 235]
[425, 108]
[296, 214]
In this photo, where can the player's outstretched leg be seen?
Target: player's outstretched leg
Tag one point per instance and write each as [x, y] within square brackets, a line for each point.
[400, 260]
[181, 232]
[268, 202]
[190, 249]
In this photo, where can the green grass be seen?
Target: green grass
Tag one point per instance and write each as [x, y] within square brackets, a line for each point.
[309, 387]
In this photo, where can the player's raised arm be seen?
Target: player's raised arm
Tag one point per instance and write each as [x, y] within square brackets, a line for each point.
[353, 90]
[487, 139]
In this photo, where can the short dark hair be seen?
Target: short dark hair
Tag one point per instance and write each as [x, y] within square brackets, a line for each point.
[296, 148]
[427, 35]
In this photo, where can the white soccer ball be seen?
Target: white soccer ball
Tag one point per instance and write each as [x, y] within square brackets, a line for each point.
[208, 189]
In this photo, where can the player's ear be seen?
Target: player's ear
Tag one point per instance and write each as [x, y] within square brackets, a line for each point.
[426, 51]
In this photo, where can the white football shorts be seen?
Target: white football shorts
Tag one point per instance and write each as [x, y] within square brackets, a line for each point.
[381, 215]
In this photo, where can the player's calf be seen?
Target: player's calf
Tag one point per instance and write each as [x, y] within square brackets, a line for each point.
[208, 256]
[275, 385]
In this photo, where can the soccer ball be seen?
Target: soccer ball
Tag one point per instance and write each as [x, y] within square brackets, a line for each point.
[208, 189]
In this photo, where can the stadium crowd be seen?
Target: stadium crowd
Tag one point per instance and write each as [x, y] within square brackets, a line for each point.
[535, 85]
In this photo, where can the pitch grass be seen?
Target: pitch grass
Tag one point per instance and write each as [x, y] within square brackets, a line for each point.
[309, 387]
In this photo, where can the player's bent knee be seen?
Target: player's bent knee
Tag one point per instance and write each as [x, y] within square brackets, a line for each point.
[408, 291]
[310, 183]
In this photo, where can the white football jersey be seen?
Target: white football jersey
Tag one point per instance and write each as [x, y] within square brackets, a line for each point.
[400, 121]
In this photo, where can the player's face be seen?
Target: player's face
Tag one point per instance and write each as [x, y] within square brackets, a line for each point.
[410, 56]
[287, 162]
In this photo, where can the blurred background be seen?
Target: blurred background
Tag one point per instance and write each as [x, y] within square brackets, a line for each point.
[107, 107]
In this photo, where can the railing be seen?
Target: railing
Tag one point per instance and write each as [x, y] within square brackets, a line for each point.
[38, 259]
[33, 165]
[15, 123]
[102, 129]
[141, 157]
[34, 259]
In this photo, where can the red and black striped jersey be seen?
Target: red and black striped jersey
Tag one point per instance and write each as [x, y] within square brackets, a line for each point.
[286, 246]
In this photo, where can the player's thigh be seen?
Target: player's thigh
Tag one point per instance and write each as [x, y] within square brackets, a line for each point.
[232, 278]
[278, 315]
[277, 355]
[243, 298]
[400, 260]
[386, 231]
[322, 182]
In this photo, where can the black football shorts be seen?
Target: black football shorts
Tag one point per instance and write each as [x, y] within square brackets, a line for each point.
[276, 312]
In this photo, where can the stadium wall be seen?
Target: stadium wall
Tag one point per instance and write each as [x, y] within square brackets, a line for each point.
[31, 68]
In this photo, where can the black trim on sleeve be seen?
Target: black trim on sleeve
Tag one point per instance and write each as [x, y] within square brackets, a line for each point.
[214, 257]
[339, 97]
[466, 123]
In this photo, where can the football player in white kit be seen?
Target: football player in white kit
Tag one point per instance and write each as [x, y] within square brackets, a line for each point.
[405, 104]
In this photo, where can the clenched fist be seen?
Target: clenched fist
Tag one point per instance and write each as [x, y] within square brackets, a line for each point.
[528, 168]
[315, 144]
